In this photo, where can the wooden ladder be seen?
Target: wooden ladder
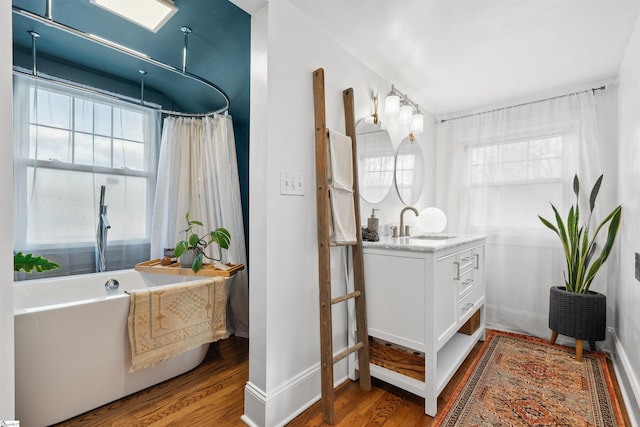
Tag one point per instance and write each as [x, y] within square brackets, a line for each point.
[327, 358]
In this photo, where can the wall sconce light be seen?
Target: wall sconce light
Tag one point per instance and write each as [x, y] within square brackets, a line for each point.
[150, 14]
[406, 111]
[398, 105]
[417, 122]
[375, 117]
[392, 103]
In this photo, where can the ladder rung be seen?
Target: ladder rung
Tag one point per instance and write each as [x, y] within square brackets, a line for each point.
[334, 244]
[345, 297]
[347, 352]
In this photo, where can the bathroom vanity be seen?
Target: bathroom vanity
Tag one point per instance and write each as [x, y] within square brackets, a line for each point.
[420, 291]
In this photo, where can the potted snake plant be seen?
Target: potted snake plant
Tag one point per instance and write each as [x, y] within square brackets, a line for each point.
[574, 310]
[191, 249]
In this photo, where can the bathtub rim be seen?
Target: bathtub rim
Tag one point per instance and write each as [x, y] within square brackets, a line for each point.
[110, 294]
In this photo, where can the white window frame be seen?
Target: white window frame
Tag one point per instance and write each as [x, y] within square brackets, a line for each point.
[22, 162]
[567, 131]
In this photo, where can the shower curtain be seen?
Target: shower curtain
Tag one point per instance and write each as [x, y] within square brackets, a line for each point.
[198, 173]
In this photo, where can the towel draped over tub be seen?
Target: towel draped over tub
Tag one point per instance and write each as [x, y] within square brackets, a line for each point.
[165, 321]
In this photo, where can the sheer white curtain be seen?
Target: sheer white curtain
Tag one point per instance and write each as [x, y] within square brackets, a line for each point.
[198, 173]
[496, 172]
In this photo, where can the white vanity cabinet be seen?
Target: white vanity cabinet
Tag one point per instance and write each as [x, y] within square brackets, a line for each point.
[419, 293]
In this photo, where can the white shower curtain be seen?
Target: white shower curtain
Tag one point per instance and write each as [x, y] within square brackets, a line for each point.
[497, 171]
[198, 173]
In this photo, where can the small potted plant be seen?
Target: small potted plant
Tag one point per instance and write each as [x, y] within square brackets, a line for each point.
[191, 250]
[574, 310]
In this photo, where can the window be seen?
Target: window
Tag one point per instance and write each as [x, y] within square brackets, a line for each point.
[68, 143]
[512, 182]
[517, 162]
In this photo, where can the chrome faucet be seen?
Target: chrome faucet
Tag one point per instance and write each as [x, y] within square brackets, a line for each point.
[403, 232]
[101, 234]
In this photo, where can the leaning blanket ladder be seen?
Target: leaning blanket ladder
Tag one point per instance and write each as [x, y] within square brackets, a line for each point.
[327, 358]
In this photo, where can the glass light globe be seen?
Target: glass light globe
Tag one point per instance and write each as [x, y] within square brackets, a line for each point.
[392, 105]
[405, 113]
[417, 123]
[432, 220]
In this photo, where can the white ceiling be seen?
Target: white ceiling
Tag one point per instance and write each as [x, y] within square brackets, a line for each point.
[456, 55]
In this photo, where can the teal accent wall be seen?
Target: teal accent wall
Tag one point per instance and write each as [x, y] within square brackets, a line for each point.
[219, 51]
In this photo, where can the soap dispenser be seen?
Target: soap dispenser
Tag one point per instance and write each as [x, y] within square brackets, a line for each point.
[372, 223]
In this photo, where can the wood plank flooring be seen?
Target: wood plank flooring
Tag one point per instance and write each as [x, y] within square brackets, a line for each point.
[213, 395]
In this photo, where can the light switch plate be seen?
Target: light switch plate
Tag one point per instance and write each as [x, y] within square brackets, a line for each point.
[291, 183]
[637, 266]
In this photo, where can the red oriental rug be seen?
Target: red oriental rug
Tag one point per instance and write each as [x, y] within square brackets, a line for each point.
[518, 380]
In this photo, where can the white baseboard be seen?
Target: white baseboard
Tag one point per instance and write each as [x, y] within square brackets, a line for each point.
[626, 379]
[287, 401]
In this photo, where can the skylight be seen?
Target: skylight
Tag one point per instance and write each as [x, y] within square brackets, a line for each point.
[150, 14]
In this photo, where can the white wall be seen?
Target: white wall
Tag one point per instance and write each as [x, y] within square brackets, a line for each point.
[284, 337]
[627, 320]
[6, 217]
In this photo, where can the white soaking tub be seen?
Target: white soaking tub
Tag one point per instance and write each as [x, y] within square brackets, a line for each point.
[72, 349]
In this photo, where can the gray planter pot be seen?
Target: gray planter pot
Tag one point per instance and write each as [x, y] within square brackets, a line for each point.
[580, 316]
[186, 259]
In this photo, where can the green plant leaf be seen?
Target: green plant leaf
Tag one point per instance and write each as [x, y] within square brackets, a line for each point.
[196, 223]
[197, 262]
[562, 232]
[28, 263]
[594, 193]
[571, 228]
[181, 247]
[576, 185]
[549, 225]
[222, 237]
[193, 240]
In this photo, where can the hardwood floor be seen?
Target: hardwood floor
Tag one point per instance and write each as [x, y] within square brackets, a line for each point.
[213, 395]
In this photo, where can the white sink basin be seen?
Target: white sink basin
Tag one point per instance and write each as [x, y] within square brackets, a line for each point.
[433, 237]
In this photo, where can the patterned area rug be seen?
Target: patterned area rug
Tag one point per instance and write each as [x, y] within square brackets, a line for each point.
[518, 380]
[165, 321]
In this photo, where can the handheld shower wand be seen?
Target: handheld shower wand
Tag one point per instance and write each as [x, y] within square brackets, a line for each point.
[101, 233]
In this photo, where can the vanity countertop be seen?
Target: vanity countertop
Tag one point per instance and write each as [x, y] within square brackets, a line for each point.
[424, 243]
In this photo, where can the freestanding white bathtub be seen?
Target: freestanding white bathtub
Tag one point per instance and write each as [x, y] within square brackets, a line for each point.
[72, 347]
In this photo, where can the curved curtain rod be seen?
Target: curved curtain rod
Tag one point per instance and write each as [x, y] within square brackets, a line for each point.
[137, 55]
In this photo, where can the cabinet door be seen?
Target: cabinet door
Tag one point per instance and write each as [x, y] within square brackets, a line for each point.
[446, 287]
[395, 298]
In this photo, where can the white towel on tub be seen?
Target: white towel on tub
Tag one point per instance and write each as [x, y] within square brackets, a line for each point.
[165, 321]
[343, 216]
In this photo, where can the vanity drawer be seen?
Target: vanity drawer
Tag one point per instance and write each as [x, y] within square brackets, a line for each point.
[466, 303]
[465, 283]
[466, 260]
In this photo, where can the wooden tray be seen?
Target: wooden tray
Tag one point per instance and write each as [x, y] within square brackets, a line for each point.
[207, 270]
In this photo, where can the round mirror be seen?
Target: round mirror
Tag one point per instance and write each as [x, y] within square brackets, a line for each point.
[375, 161]
[409, 170]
